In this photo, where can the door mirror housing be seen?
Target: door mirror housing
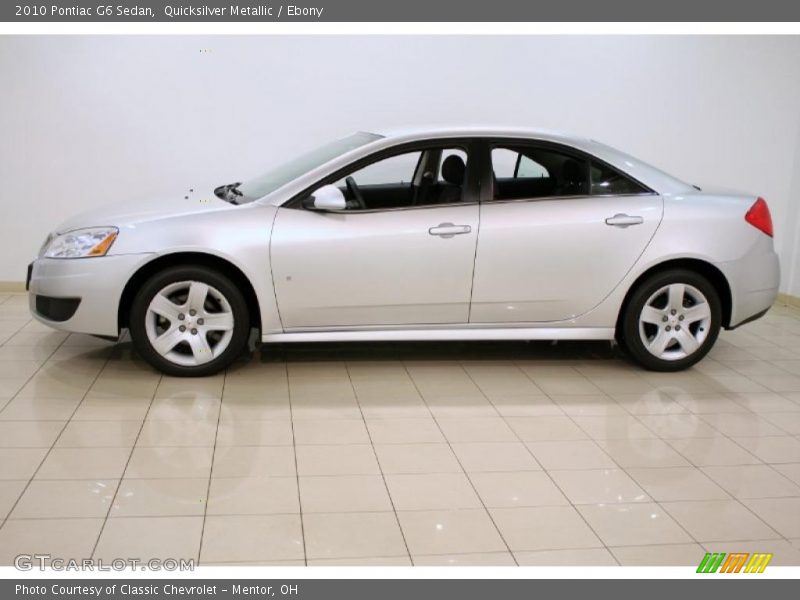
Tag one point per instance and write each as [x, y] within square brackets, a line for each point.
[328, 197]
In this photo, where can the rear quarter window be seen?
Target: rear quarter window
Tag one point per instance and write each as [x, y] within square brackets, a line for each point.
[606, 181]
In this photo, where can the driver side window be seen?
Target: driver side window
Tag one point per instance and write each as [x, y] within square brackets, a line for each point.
[416, 178]
[395, 170]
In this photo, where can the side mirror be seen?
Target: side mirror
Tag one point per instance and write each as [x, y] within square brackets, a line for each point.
[328, 197]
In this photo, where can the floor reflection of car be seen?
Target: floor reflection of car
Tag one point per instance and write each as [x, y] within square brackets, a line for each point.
[456, 234]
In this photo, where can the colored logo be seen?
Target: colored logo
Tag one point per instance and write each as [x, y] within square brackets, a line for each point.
[735, 562]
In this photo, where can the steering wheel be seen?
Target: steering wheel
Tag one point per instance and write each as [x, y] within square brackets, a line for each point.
[352, 187]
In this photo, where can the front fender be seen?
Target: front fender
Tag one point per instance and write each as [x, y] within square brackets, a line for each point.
[239, 237]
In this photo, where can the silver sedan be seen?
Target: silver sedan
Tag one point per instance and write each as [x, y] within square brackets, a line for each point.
[456, 234]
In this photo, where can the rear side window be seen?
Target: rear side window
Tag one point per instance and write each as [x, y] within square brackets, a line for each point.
[522, 172]
[608, 182]
[533, 172]
[504, 162]
[527, 167]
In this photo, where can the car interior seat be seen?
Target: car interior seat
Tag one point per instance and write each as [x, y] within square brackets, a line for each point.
[453, 170]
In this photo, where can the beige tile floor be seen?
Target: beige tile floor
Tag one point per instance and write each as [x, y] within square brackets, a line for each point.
[396, 454]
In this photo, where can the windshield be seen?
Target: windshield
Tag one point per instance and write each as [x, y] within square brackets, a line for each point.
[271, 180]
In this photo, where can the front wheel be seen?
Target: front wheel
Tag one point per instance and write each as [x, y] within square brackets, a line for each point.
[189, 321]
[672, 320]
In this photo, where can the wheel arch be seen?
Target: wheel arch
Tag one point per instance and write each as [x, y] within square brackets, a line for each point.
[203, 259]
[702, 267]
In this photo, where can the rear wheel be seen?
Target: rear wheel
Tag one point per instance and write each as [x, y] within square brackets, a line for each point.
[672, 320]
[189, 321]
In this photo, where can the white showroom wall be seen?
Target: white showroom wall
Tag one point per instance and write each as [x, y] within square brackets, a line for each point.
[791, 229]
[89, 120]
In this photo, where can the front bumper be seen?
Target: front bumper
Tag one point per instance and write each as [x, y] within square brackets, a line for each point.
[97, 283]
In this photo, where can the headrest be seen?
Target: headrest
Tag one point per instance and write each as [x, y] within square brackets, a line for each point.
[453, 169]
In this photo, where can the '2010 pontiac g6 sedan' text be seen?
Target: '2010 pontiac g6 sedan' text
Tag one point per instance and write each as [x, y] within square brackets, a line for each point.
[451, 234]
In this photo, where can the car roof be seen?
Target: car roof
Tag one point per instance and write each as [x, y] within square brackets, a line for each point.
[421, 131]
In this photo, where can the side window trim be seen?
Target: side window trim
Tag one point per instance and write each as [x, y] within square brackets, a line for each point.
[471, 189]
[579, 197]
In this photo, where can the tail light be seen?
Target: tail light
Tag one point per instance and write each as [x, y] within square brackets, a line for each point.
[758, 216]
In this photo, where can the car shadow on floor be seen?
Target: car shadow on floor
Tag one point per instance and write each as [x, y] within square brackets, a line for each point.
[561, 351]
[436, 351]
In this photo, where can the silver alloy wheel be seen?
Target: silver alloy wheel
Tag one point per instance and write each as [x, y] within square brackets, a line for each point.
[675, 321]
[189, 323]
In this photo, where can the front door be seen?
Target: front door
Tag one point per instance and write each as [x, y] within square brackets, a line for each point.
[402, 254]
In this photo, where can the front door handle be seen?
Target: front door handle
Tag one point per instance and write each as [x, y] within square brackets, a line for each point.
[623, 220]
[448, 230]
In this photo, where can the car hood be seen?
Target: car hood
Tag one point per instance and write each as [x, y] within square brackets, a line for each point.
[123, 214]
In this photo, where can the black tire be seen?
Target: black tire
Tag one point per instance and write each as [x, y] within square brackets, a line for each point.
[629, 324]
[139, 310]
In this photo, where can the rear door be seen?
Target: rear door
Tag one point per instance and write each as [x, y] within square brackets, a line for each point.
[558, 232]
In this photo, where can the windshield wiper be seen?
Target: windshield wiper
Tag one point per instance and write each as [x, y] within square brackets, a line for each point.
[229, 192]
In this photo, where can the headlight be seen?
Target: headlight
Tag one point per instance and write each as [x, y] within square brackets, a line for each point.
[82, 243]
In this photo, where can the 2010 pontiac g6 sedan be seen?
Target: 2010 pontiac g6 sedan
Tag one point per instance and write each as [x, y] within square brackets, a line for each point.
[458, 234]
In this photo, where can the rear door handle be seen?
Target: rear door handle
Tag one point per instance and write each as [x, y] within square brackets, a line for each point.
[623, 220]
[448, 230]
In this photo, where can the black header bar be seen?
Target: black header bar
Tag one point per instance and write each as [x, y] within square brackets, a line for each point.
[152, 11]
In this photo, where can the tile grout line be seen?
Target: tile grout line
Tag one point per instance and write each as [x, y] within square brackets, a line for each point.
[732, 498]
[127, 463]
[55, 440]
[745, 411]
[739, 501]
[378, 462]
[759, 416]
[211, 468]
[545, 471]
[669, 443]
[625, 470]
[373, 511]
[87, 421]
[460, 464]
[722, 434]
[39, 368]
[28, 322]
[294, 452]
